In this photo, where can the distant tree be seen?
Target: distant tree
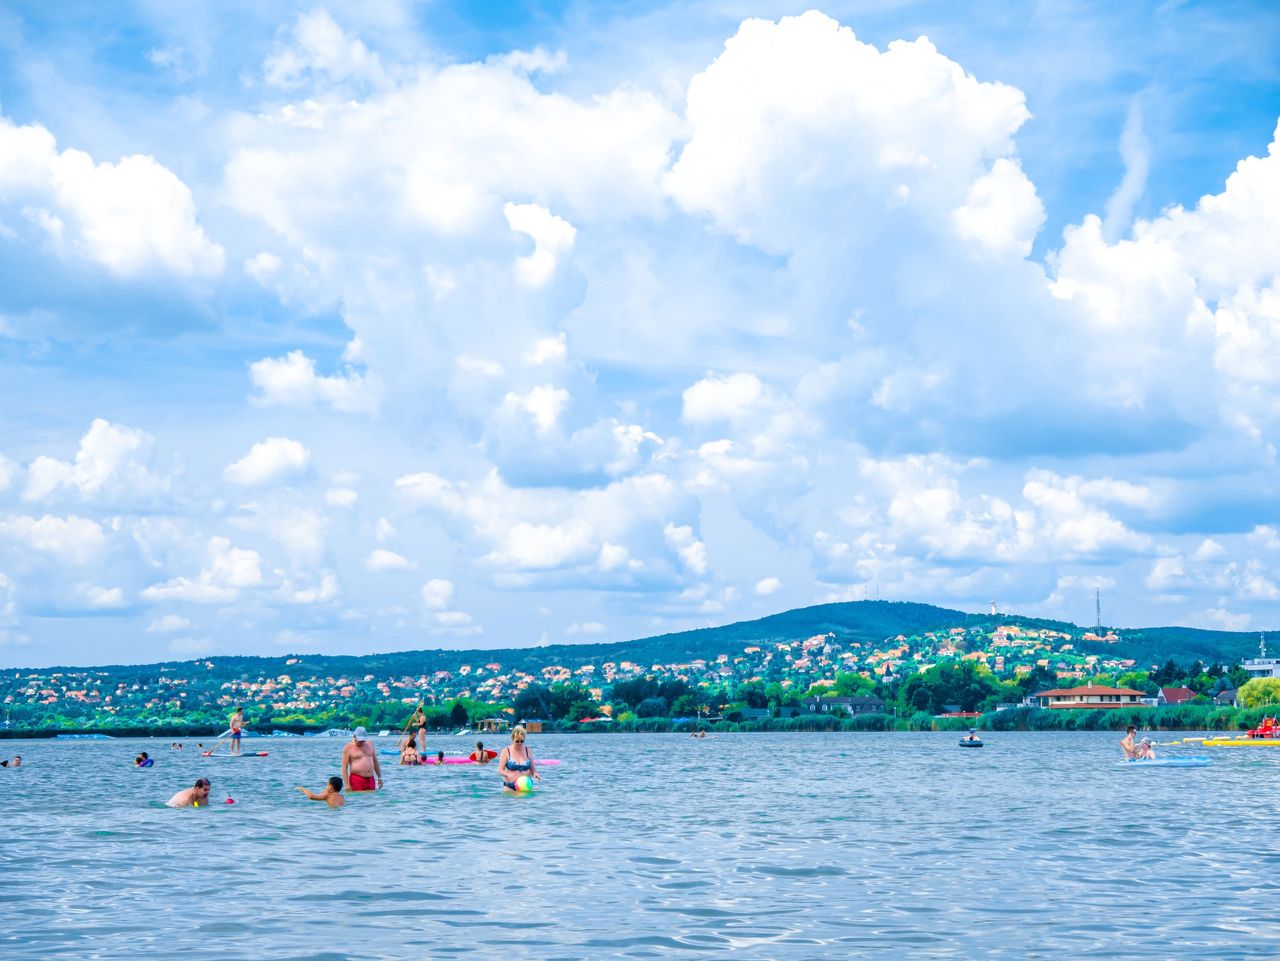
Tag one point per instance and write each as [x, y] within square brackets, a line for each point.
[1259, 692]
[849, 684]
[652, 707]
[458, 715]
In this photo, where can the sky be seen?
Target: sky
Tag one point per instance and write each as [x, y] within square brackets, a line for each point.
[348, 328]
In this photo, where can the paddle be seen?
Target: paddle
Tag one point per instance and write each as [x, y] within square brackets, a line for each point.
[407, 724]
[226, 734]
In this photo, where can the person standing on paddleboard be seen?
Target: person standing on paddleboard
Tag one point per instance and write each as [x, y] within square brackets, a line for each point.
[237, 725]
[360, 768]
[419, 721]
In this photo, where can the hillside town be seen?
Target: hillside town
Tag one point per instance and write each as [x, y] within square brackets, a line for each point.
[804, 674]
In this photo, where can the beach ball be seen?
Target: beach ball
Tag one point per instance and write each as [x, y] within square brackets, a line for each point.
[524, 783]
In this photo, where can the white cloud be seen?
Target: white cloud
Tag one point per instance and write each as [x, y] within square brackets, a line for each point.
[548, 350]
[1001, 211]
[168, 624]
[798, 128]
[268, 461]
[321, 48]
[552, 241]
[228, 571]
[384, 531]
[767, 586]
[103, 598]
[309, 589]
[292, 381]
[341, 497]
[437, 594]
[130, 216]
[8, 473]
[587, 628]
[544, 405]
[76, 540]
[543, 546]
[715, 398]
[384, 560]
[191, 646]
[108, 456]
[692, 552]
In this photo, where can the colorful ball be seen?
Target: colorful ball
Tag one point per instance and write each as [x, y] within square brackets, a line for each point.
[524, 783]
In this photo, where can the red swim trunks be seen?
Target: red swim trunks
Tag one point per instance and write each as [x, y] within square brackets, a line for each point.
[361, 783]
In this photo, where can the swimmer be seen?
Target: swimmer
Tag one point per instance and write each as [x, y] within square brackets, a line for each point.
[409, 754]
[331, 795]
[143, 761]
[17, 760]
[192, 796]
[1126, 743]
[360, 768]
[480, 755]
[1145, 751]
[439, 757]
[516, 760]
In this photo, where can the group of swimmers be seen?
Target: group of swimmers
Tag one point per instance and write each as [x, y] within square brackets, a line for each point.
[1143, 750]
[410, 756]
[362, 772]
[142, 760]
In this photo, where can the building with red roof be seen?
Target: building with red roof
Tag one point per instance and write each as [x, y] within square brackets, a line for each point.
[1175, 695]
[1091, 697]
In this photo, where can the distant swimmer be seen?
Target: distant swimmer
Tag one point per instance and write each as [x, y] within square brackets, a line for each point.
[331, 795]
[480, 755]
[409, 754]
[516, 760]
[360, 768]
[192, 797]
[143, 761]
[1126, 743]
[237, 726]
[17, 760]
[439, 757]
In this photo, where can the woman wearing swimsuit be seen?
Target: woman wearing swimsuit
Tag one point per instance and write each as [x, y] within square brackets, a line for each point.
[516, 760]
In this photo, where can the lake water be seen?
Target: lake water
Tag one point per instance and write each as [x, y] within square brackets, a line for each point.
[754, 846]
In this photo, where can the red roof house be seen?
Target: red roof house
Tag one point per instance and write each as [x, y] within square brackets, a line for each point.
[1175, 695]
[1090, 697]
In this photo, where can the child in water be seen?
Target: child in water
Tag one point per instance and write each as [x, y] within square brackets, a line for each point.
[331, 795]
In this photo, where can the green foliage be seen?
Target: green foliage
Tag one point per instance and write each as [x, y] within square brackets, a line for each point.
[1259, 692]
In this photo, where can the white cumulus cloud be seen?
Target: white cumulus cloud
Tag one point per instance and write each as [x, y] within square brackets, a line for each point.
[269, 461]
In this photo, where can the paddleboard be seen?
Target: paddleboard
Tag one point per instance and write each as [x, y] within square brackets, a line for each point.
[245, 754]
[1167, 762]
[462, 760]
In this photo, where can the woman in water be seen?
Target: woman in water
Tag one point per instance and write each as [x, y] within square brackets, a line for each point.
[515, 760]
[409, 754]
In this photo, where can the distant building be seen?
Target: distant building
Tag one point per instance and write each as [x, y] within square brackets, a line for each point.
[1087, 697]
[869, 704]
[1226, 698]
[1174, 695]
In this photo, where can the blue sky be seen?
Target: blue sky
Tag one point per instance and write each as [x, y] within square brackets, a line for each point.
[461, 324]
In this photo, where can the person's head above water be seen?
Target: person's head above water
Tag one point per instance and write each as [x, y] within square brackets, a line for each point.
[335, 783]
[1130, 729]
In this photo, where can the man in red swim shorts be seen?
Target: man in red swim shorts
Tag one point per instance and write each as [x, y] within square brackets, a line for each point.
[360, 769]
